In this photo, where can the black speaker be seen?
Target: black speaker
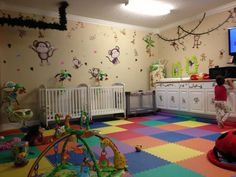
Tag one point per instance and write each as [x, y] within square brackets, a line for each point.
[224, 71]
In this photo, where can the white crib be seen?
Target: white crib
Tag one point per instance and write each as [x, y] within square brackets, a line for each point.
[101, 100]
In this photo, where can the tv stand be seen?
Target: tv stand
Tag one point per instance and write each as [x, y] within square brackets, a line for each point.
[229, 71]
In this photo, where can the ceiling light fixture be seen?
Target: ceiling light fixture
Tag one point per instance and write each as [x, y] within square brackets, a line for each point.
[147, 7]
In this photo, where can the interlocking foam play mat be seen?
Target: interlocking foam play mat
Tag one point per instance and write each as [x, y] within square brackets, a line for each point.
[172, 146]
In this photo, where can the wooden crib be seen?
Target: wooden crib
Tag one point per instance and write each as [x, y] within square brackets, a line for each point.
[101, 100]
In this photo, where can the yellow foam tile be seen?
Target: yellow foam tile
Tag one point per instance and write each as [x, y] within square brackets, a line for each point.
[110, 129]
[191, 123]
[8, 169]
[118, 122]
[173, 152]
[50, 132]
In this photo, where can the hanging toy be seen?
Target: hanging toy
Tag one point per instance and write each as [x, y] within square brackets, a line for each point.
[103, 160]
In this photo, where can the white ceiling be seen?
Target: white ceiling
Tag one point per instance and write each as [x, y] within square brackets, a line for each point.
[109, 10]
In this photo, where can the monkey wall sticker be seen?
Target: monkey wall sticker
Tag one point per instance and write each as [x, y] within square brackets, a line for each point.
[114, 54]
[43, 49]
[77, 63]
[94, 72]
[196, 42]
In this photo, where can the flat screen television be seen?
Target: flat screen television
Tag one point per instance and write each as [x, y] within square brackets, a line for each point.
[232, 43]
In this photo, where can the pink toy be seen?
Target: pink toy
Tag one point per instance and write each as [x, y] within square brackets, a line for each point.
[9, 144]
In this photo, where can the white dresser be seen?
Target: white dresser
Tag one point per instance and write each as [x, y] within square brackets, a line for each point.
[191, 96]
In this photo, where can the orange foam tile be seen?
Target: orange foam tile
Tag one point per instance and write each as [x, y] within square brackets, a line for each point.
[200, 144]
[145, 141]
[201, 165]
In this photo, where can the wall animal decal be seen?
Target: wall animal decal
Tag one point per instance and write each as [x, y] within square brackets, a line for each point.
[196, 42]
[77, 63]
[203, 57]
[43, 49]
[175, 45]
[94, 72]
[114, 54]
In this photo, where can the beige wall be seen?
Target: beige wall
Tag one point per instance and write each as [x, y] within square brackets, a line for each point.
[90, 43]
[211, 45]
[87, 42]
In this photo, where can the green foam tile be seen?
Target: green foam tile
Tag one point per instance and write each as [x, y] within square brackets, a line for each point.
[153, 123]
[170, 170]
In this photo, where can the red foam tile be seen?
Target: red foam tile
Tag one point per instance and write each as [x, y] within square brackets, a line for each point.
[124, 135]
[9, 132]
[137, 119]
[215, 128]
[132, 126]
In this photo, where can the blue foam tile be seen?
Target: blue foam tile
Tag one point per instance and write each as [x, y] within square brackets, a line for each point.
[206, 120]
[98, 125]
[142, 161]
[171, 136]
[212, 137]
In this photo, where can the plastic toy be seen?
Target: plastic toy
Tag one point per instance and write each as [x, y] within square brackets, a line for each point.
[119, 158]
[138, 148]
[103, 160]
[224, 152]
[59, 129]
[9, 144]
[202, 76]
[84, 119]
[89, 165]
[20, 152]
[11, 91]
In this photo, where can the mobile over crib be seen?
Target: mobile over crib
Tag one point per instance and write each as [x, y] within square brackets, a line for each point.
[100, 100]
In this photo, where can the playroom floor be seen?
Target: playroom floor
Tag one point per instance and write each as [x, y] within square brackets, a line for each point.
[173, 146]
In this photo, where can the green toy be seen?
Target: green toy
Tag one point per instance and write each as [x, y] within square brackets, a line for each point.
[11, 90]
[90, 166]
[84, 118]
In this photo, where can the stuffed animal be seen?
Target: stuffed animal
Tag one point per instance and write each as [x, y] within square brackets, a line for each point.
[35, 136]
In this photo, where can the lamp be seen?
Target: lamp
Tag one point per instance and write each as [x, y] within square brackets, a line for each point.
[147, 7]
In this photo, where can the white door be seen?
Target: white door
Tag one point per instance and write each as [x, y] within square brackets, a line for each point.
[173, 99]
[183, 100]
[196, 100]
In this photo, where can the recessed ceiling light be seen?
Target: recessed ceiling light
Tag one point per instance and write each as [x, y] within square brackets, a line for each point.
[147, 7]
